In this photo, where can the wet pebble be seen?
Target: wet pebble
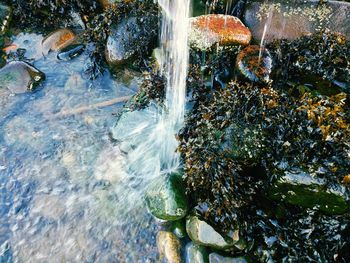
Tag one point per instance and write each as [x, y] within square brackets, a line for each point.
[20, 77]
[71, 52]
[216, 258]
[57, 40]
[196, 253]
[208, 30]
[255, 63]
[169, 247]
[202, 233]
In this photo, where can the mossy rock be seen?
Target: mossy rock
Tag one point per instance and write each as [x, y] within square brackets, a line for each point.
[300, 188]
[167, 200]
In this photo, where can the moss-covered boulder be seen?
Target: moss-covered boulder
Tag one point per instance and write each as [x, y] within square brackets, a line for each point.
[167, 200]
[300, 188]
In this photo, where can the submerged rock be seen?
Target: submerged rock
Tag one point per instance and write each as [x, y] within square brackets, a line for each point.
[196, 253]
[202, 233]
[71, 52]
[167, 200]
[208, 30]
[255, 63]
[179, 228]
[300, 188]
[169, 247]
[5, 17]
[57, 40]
[128, 38]
[20, 77]
[280, 19]
[216, 258]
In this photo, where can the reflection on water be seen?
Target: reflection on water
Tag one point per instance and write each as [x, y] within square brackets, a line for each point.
[58, 176]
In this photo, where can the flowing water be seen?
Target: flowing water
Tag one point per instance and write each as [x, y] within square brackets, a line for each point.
[67, 193]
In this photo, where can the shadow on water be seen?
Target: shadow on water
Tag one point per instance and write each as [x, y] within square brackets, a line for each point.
[58, 178]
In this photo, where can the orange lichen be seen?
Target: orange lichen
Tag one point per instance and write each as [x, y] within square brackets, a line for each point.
[229, 28]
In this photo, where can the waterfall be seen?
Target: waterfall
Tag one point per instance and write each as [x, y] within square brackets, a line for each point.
[147, 137]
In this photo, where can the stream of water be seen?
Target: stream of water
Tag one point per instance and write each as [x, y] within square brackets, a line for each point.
[67, 194]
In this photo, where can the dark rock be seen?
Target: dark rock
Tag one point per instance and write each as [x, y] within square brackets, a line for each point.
[299, 188]
[167, 200]
[71, 52]
[5, 17]
[196, 253]
[208, 30]
[202, 233]
[292, 19]
[179, 228]
[128, 39]
[255, 64]
[20, 77]
[216, 258]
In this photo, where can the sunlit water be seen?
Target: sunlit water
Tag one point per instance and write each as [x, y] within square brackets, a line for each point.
[59, 177]
[149, 146]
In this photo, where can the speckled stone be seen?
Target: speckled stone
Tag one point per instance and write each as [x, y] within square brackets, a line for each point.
[208, 30]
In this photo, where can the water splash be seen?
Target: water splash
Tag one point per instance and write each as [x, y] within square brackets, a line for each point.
[147, 137]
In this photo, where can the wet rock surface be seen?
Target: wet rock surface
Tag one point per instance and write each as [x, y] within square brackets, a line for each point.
[169, 247]
[167, 200]
[57, 40]
[123, 43]
[293, 19]
[196, 254]
[202, 233]
[20, 77]
[216, 258]
[255, 64]
[208, 30]
[5, 17]
[71, 52]
[302, 189]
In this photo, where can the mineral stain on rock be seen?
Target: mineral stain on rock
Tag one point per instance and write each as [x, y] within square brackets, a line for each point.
[207, 30]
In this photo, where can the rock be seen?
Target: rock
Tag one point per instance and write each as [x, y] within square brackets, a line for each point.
[255, 64]
[169, 247]
[167, 200]
[71, 52]
[292, 19]
[196, 254]
[20, 77]
[208, 30]
[5, 17]
[216, 258]
[300, 188]
[57, 40]
[127, 38]
[179, 228]
[107, 3]
[202, 233]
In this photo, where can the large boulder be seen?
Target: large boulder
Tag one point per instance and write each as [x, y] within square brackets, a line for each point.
[208, 30]
[300, 188]
[278, 19]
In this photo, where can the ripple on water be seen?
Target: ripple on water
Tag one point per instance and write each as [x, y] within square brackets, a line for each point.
[61, 197]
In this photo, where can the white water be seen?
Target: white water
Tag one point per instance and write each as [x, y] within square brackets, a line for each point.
[147, 137]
